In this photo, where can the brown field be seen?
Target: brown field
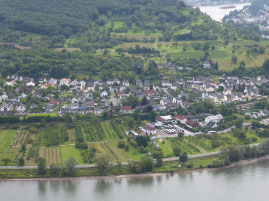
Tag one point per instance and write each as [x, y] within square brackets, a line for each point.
[52, 155]
[20, 139]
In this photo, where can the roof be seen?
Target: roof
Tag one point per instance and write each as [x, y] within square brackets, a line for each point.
[126, 108]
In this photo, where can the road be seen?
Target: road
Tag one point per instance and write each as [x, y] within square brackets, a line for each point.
[123, 163]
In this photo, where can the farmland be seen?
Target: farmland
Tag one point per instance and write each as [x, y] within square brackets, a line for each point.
[6, 138]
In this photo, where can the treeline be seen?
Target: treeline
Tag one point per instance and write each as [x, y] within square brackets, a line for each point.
[36, 62]
[234, 154]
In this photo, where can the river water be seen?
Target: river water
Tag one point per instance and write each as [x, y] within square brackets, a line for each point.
[240, 183]
[216, 13]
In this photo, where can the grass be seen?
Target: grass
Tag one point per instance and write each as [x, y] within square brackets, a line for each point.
[6, 137]
[7, 154]
[70, 151]
[43, 114]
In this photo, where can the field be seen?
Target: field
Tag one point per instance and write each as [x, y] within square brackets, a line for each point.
[52, 155]
[7, 154]
[6, 138]
[220, 52]
[70, 151]
[20, 139]
[204, 143]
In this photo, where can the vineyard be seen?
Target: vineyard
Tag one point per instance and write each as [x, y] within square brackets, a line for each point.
[52, 155]
[99, 131]
[20, 139]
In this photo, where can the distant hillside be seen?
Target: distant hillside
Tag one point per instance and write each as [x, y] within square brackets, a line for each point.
[60, 17]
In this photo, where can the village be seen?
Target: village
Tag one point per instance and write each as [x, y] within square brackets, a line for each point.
[261, 18]
[23, 96]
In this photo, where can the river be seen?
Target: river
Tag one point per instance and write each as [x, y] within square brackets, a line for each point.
[239, 183]
[216, 13]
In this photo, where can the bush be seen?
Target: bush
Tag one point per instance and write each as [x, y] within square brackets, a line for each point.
[121, 144]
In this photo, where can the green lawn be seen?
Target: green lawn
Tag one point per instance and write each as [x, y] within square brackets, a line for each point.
[43, 114]
[70, 151]
[7, 154]
[6, 137]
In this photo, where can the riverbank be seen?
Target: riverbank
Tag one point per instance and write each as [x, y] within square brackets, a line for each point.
[143, 175]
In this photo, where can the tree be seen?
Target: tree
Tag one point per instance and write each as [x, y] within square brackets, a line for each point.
[144, 101]
[70, 166]
[183, 158]
[6, 161]
[234, 59]
[147, 163]
[239, 123]
[21, 161]
[266, 65]
[54, 170]
[134, 166]
[103, 164]
[180, 135]
[176, 151]
[41, 166]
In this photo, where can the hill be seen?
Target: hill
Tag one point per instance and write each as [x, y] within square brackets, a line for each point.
[93, 38]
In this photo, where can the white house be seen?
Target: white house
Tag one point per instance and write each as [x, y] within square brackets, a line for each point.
[215, 119]
[104, 94]
[6, 107]
[30, 84]
[65, 81]
[4, 97]
[21, 108]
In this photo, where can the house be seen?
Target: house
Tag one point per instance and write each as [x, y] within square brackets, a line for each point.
[6, 107]
[139, 83]
[91, 86]
[147, 85]
[164, 119]
[212, 118]
[182, 119]
[49, 108]
[207, 65]
[113, 82]
[30, 84]
[148, 129]
[191, 124]
[3, 97]
[127, 109]
[65, 81]
[166, 83]
[125, 83]
[104, 94]
[52, 81]
[21, 108]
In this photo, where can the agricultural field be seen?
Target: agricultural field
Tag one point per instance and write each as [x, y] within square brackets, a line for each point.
[7, 154]
[204, 143]
[52, 155]
[218, 52]
[6, 138]
[70, 151]
[99, 131]
[20, 139]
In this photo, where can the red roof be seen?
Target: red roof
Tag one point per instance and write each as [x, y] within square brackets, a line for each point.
[53, 102]
[127, 108]
[178, 117]
[120, 93]
[150, 92]
[159, 118]
[192, 123]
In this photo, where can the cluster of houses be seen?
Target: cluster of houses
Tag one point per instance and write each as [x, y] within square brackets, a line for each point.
[23, 95]
[169, 123]
[261, 18]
